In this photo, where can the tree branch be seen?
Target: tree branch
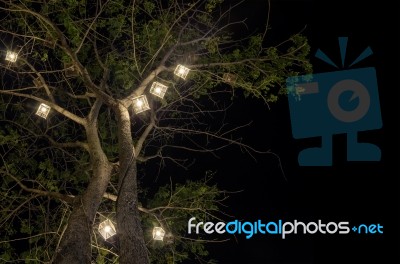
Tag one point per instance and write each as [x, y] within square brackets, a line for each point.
[76, 144]
[94, 111]
[42, 81]
[56, 107]
[139, 91]
[66, 198]
[67, 49]
[146, 132]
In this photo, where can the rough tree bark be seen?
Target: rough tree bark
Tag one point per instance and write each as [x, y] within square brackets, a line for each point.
[75, 245]
[130, 234]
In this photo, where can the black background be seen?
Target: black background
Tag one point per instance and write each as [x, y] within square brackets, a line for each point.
[358, 192]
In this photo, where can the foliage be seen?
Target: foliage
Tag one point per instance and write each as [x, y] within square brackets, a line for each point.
[75, 53]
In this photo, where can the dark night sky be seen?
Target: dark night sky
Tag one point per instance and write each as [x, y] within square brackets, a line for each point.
[359, 192]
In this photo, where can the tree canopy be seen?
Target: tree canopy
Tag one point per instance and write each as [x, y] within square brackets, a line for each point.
[90, 63]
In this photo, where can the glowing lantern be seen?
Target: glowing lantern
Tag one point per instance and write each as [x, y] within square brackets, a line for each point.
[158, 233]
[43, 110]
[140, 104]
[107, 229]
[158, 89]
[181, 71]
[11, 56]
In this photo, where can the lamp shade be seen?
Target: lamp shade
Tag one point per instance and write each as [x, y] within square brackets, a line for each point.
[43, 110]
[11, 56]
[158, 89]
[158, 233]
[107, 229]
[140, 104]
[181, 71]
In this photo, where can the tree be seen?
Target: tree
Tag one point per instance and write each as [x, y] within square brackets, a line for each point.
[89, 61]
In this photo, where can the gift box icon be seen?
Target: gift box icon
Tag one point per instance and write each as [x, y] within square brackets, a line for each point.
[344, 101]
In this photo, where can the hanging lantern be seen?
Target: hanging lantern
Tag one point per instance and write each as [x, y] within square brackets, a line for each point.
[181, 71]
[158, 89]
[158, 233]
[140, 104]
[107, 229]
[11, 56]
[43, 110]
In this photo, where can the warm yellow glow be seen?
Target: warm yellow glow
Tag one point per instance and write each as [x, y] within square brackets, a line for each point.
[158, 89]
[107, 229]
[43, 110]
[11, 56]
[140, 104]
[158, 233]
[181, 71]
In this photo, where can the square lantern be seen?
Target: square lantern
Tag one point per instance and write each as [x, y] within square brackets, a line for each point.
[11, 56]
[158, 89]
[229, 78]
[43, 110]
[107, 229]
[181, 71]
[158, 233]
[140, 104]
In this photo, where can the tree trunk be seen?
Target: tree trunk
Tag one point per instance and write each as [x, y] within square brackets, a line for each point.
[132, 245]
[75, 242]
[75, 245]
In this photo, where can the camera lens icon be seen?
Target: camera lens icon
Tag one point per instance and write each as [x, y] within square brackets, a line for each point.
[330, 103]
[358, 91]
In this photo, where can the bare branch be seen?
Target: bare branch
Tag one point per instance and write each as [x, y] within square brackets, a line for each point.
[140, 89]
[145, 134]
[56, 107]
[63, 197]
[82, 96]
[76, 144]
[64, 46]
[42, 81]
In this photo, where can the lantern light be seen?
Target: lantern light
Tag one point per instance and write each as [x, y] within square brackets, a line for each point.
[107, 229]
[140, 104]
[158, 233]
[43, 110]
[11, 56]
[158, 89]
[181, 71]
